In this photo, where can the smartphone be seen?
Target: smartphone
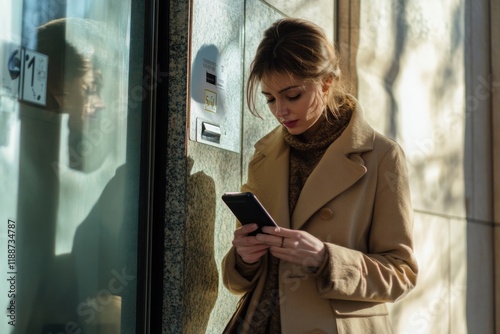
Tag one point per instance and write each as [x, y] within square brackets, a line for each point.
[247, 209]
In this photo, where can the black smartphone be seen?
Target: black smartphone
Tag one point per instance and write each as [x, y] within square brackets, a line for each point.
[247, 209]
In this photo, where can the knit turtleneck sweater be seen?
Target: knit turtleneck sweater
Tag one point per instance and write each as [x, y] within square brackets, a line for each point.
[305, 153]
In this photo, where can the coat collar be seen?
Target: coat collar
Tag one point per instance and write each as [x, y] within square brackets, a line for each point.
[340, 167]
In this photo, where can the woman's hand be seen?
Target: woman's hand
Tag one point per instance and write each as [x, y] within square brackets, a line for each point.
[294, 246]
[248, 247]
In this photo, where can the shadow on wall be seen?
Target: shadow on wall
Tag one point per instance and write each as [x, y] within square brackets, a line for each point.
[394, 69]
[202, 279]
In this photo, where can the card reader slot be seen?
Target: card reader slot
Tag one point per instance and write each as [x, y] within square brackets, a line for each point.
[210, 132]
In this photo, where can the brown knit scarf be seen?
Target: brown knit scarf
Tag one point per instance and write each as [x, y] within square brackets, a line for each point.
[304, 156]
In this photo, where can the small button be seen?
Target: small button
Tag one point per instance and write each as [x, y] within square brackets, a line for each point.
[325, 213]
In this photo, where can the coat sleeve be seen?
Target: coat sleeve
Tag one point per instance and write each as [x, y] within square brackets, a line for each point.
[239, 277]
[388, 271]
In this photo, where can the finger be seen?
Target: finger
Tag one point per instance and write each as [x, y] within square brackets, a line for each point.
[280, 231]
[241, 239]
[246, 250]
[253, 256]
[273, 230]
[245, 229]
[248, 241]
[270, 239]
[302, 257]
[252, 253]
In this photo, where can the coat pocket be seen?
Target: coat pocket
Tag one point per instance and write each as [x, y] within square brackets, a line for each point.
[348, 308]
[361, 317]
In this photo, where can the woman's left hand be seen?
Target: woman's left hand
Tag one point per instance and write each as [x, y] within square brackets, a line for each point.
[294, 246]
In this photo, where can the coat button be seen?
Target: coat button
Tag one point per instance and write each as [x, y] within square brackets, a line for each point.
[325, 213]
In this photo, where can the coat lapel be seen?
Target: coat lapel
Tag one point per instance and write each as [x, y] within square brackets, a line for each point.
[340, 167]
[334, 174]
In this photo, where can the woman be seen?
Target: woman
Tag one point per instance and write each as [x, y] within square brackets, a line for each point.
[338, 190]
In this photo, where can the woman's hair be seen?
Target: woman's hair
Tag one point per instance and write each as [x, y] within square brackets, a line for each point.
[299, 48]
[66, 61]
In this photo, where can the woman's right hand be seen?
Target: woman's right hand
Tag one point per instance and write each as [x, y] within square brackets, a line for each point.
[248, 247]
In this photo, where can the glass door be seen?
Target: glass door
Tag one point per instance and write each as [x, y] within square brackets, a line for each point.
[72, 115]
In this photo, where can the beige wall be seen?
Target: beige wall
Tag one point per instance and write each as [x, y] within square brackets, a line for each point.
[423, 71]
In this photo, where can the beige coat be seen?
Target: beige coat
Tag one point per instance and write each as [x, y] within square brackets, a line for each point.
[357, 201]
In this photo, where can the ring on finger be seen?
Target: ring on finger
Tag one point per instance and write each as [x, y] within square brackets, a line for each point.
[282, 241]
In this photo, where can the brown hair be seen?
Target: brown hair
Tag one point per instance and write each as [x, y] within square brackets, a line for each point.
[65, 60]
[300, 48]
[73, 48]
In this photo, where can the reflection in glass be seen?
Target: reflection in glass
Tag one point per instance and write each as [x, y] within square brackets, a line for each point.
[64, 167]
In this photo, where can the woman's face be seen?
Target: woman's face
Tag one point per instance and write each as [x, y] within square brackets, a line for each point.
[83, 99]
[296, 103]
